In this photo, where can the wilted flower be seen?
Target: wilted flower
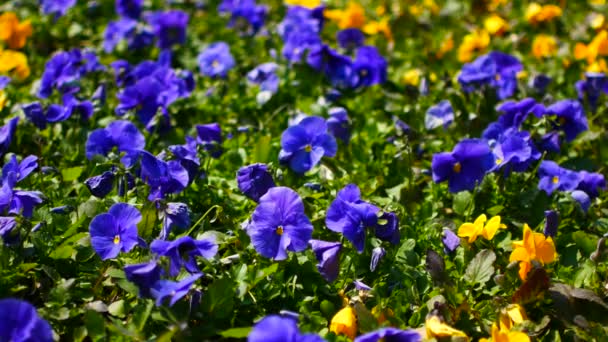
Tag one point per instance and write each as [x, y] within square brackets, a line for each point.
[13, 32]
[465, 166]
[481, 228]
[440, 114]
[100, 186]
[350, 215]
[115, 231]
[544, 46]
[169, 27]
[534, 246]
[344, 322]
[174, 215]
[254, 180]
[390, 334]
[7, 230]
[144, 275]
[582, 198]
[279, 224]
[216, 60]
[303, 145]
[328, 256]
[163, 289]
[183, 252]
[21, 322]
[387, 228]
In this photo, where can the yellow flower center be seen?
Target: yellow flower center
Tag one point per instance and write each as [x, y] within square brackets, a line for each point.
[555, 179]
[215, 64]
[308, 148]
[279, 230]
[457, 167]
[498, 161]
[116, 239]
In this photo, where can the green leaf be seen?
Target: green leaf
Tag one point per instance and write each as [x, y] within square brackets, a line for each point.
[463, 203]
[584, 241]
[480, 269]
[117, 308]
[95, 325]
[71, 173]
[406, 253]
[261, 150]
[146, 226]
[236, 332]
[219, 299]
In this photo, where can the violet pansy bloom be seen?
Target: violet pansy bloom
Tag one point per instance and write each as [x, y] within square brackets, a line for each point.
[121, 134]
[551, 223]
[129, 8]
[210, 136]
[350, 38]
[303, 145]
[350, 215]
[58, 8]
[164, 289]
[183, 252]
[162, 177]
[8, 233]
[144, 275]
[175, 215]
[328, 256]
[514, 113]
[450, 240]
[553, 177]
[20, 322]
[339, 68]
[275, 328]
[6, 134]
[514, 151]
[338, 124]
[115, 231]
[265, 76]
[216, 60]
[169, 27]
[279, 224]
[591, 183]
[100, 186]
[438, 115]
[254, 180]
[244, 11]
[390, 334]
[495, 69]
[465, 166]
[369, 66]
[570, 116]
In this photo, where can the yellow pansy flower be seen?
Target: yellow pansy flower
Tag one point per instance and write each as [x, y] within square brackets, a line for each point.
[599, 66]
[534, 246]
[381, 26]
[495, 25]
[344, 322]
[536, 13]
[511, 315]
[494, 4]
[304, 3]
[352, 17]
[412, 77]
[13, 32]
[505, 335]
[446, 45]
[3, 99]
[436, 328]
[597, 47]
[544, 46]
[477, 40]
[597, 21]
[480, 228]
[14, 62]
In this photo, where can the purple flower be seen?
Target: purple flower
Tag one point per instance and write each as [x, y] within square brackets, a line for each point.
[377, 254]
[275, 328]
[591, 183]
[390, 334]
[210, 136]
[254, 180]
[387, 228]
[244, 12]
[450, 241]
[64, 70]
[582, 198]
[137, 37]
[175, 215]
[162, 177]
[7, 229]
[360, 286]
[438, 115]
[551, 223]
[20, 322]
[338, 124]
[4, 81]
[300, 31]
[570, 117]
[350, 215]
[516, 112]
[6, 134]
[514, 151]
[303, 145]
[279, 224]
[100, 186]
[169, 27]
[187, 155]
[216, 60]
[550, 142]
[592, 88]
[553, 177]
[129, 8]
[121, 134]
[369, 66]
[265, 76]
[115, 231]
[164, 289]
[144, 275]
[57, 113]
[328, 256]
[465, 166]
[21, 170]
[350, 38]
[540, 83]
[339, 69]
[183, 252]
[58, 8]
[495, 69]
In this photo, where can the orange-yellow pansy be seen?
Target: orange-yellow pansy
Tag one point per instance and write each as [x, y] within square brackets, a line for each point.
[505, 335]
[495, 25]
[477, 40]
[14, 62]
[352, 17]
[544, 46]
[536, 13]
[381, 26]
[344, 322]
[480, 228]
[597, 47]
[534, 246]
[13, 32]
[304, 3]
[436, 328]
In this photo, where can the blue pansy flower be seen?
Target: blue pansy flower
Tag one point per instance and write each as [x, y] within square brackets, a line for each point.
[20, 322]
[303, 145]
[465, 166]
[338, 124]
[514, 151]
[582, 198]
[592, 88]
[254, 180]
[129, 8]
[58, 8]
[350, 215]
[339, 68]
[450, 240]
[390, 334]
[187, 155]
[174, 215]
[539, 83]
[144, 275]
[514, 113]
[438, 115]
[164, 289]
[20, 169]
[121, 134]
[551, 223]
[265, 76]
[8, 233]
[7, 132]
[495, 69]
[387, 228]
[570, 116]
[210, 137]
[100, 186]
[377, 254]
[279, 224]
[169, 27]
[275, 328]
[137, 36]
[183, 252]
[369, 66]
[550, 142]
[300, 31]
[216, 60]
[328, 257]
[244, 12]
[350, 38]
[64, 70]
[553, 177]
[115, 231]
[162, 177]
[591, 183]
